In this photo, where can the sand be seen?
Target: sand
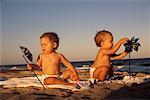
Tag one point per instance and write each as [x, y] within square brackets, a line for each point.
[100, 91]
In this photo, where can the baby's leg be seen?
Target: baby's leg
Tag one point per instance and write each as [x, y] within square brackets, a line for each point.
[104, 73]
[53, 80]
[101, 72]
[66, 74]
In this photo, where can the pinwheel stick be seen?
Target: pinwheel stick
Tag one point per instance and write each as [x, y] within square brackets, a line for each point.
[130, 46]
[34, 72]
[24, 50]
[129, 65]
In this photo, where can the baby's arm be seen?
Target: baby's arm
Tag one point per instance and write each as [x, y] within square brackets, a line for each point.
[120, 56]
[32, 66]
[115, 48]
[69, 66]
[35, 66]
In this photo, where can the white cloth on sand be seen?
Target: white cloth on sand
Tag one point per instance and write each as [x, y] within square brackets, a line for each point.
[33, 81]
[130, 80]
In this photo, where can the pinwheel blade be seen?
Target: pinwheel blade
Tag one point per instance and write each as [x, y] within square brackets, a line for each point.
[26, 53]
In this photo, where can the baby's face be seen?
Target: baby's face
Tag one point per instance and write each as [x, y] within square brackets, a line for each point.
[108, 42]
[47, 45]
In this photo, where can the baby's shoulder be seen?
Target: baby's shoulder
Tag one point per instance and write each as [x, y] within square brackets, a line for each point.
[102, 52]
[41, 55]
[59, 54]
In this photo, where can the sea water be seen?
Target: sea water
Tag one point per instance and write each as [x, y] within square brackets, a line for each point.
[136, 65]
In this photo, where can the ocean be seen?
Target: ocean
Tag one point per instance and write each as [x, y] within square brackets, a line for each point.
[136, 65]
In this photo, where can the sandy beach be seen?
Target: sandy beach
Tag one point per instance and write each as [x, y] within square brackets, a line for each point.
[100, 91]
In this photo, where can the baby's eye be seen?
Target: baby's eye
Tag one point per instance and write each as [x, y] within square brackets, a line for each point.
[43, 44]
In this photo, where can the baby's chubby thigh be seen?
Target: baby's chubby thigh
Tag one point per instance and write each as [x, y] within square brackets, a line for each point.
[66, 74]
[49, 80]
[99, 70]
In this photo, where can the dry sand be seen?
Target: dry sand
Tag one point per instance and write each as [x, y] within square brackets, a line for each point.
[100, 91]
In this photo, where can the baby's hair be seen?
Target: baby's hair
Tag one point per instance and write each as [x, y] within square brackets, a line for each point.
[99, 37]
[52, 36]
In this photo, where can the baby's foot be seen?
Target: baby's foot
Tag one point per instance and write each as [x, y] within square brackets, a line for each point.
[78, 86]
[83, 84]
[93, 81]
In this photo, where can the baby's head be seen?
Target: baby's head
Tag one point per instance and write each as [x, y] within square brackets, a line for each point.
[49, 40]
[102, 36]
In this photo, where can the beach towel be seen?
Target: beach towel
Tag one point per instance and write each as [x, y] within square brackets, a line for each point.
[32, 81]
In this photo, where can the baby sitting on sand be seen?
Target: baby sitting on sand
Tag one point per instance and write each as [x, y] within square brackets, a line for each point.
[101, 66]
[49, 60]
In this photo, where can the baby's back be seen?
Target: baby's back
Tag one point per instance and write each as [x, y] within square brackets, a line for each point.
[101, 60]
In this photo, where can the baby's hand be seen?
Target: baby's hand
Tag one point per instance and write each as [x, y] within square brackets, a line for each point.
[30, 66]
[75, 77]
[124, 40]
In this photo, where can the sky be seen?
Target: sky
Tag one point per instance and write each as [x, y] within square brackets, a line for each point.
[76, 22]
